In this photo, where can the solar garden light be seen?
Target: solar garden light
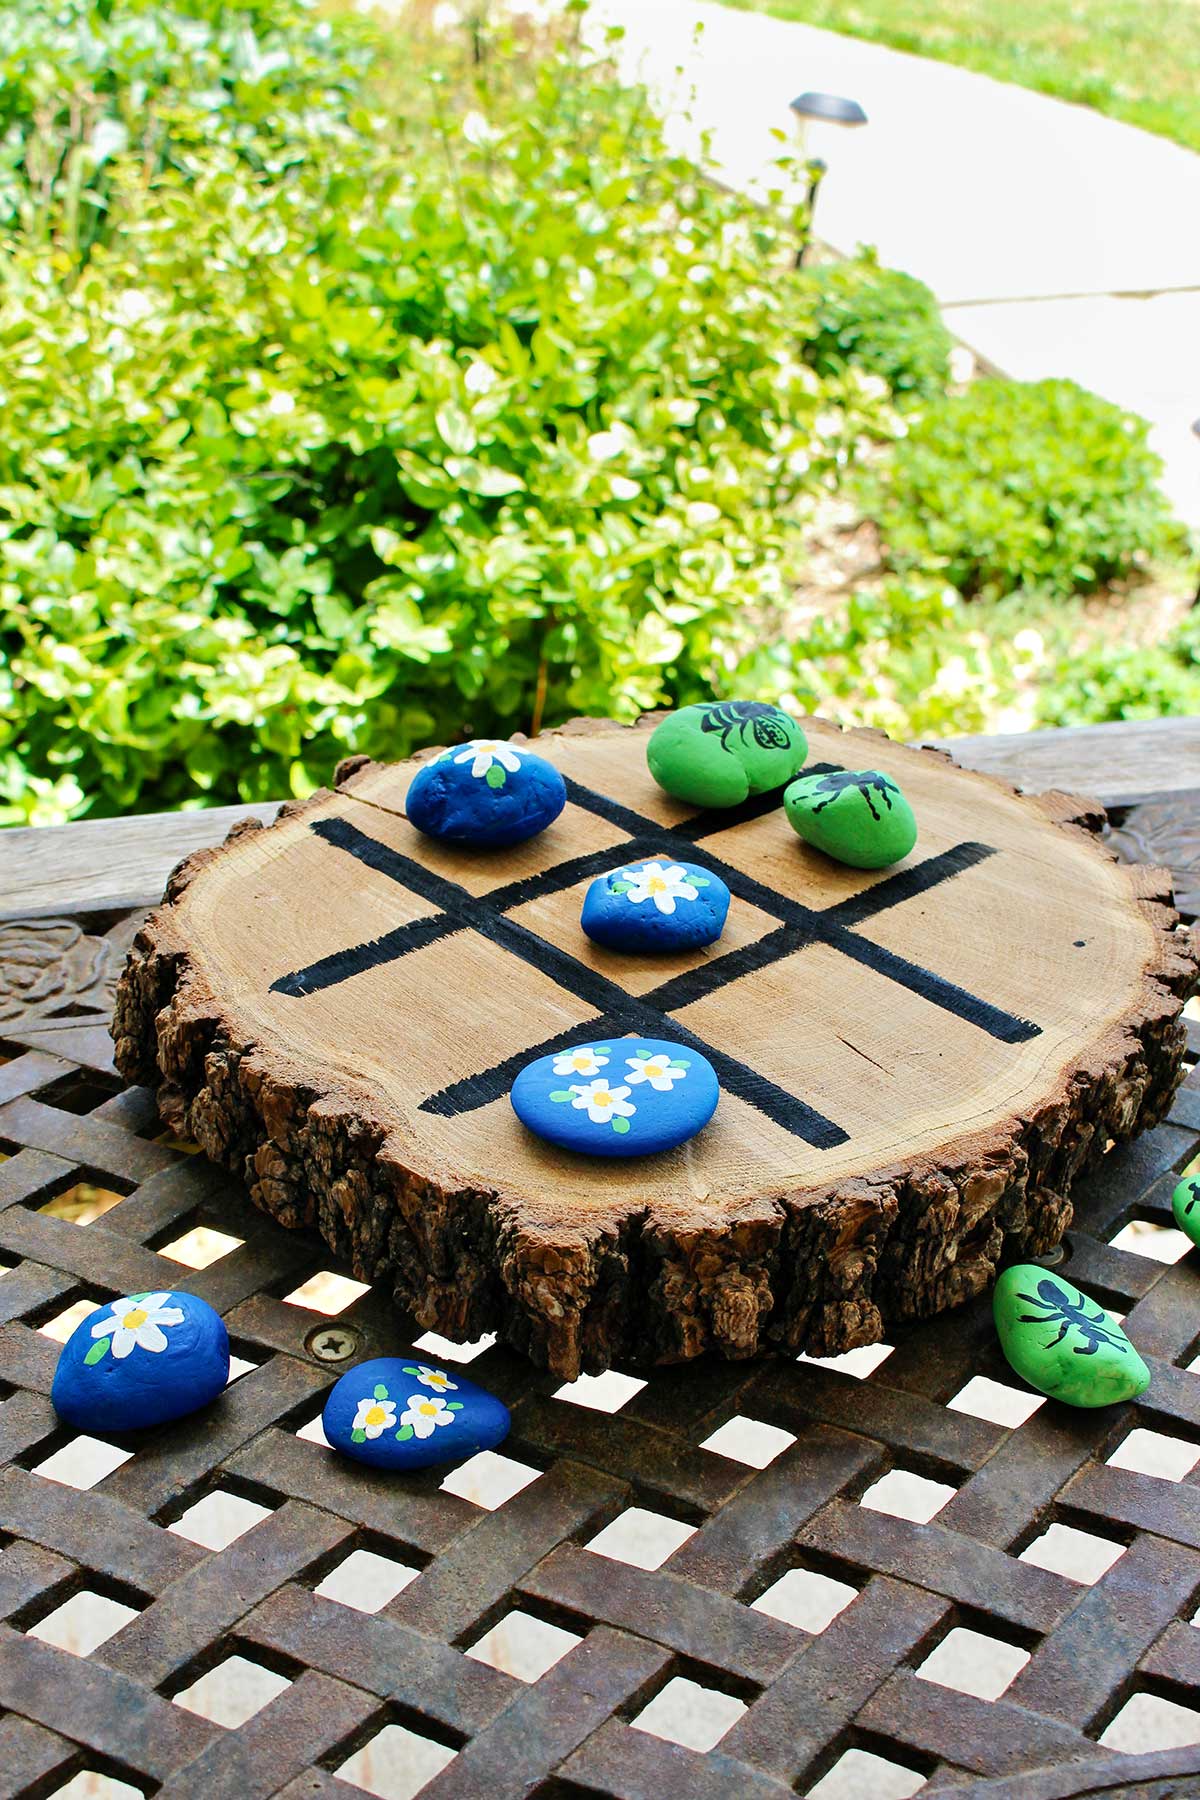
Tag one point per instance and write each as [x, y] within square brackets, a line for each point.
[824, 109]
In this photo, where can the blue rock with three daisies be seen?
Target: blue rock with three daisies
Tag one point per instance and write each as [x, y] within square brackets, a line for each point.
[485, 792]
[621, 1097]
[655, 906]
[141, 1360]
[397, 1412]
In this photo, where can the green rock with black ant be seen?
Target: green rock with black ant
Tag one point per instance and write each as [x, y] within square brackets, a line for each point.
[1185, 1204]
[856, 816]
[1063, 1343]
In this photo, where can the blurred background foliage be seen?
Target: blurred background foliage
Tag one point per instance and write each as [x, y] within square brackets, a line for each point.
[366, 388]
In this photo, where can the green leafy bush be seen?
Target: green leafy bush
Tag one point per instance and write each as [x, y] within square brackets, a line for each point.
[471, 411]
[1023, 485]
[911, 659]
[1121, 681]
[881, 321]
[85, 81]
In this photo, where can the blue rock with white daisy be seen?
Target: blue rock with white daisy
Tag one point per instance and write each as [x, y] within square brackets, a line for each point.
[485, 792]
[141, 1360]
[397, 1413]
[655, 906]
[619, 1097]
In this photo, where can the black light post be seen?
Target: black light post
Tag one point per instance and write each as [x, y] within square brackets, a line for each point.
[825, 109]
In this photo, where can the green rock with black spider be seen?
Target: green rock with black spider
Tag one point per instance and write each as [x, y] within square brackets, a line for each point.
[1185, 1204]
[857, 816]
[719, 753]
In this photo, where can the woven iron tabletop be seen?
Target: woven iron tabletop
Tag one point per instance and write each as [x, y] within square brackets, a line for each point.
[824, 1631]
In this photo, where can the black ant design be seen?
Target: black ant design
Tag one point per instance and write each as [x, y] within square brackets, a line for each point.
[1194, 1190]
[1062, 1311]
[864, 780]
[769, 725]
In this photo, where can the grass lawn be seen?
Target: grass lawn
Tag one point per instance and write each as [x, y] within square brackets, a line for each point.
[1137, 60]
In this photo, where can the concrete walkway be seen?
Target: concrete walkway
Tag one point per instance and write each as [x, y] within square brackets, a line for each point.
[1058, 242]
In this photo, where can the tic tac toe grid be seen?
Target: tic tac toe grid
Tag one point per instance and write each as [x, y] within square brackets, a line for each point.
[792, 1708]
[618, 1012]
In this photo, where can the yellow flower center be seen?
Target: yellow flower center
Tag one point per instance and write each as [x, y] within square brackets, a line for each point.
[429, 1406]
[133, 1319]
[601, 1097]
[376, 1416]
[657, 885]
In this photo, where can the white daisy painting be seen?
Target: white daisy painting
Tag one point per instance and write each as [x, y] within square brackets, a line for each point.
[604, 1104]
[139, 1322]
[375, 1412]
[491, 760]
[661, 1071]
[588, 1059]
[663, 884]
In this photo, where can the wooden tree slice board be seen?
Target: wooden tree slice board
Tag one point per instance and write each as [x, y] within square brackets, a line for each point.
[915, 1063]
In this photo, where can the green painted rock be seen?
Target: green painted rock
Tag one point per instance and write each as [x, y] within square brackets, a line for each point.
[857, 816]
[718, 754]
[1185, 1204]
[1061, 1342]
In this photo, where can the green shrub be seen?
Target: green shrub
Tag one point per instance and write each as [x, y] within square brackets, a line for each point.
[1119, 681]
[468, 413]
[1023, 485]
[911, 659]
[881, 321]
[84, 81]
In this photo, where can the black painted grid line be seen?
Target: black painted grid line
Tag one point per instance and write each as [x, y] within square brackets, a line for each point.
[618, 1013]
[586, 984]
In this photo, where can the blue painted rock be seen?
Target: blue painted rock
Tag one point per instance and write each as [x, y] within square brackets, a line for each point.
[626, 1097]
[397, 1413]
[1185, 1204]
[141, 1361]
[655, 906]
[486, 792]
[1061, 1342]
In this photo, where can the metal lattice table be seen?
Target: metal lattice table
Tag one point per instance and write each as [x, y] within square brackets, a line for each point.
[805, 1698]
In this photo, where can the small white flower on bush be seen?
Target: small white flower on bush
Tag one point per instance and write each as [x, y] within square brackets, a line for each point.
[136, 1323]
[663, 885]
[601, 1101]
[661, 1071]
[375, 1415]
[588, 1059]
[424, 1414]
[484, 754]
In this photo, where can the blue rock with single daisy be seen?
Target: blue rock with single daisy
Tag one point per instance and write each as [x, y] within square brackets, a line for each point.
[654, 906]
[620, 1097]
[395, 1412]
[485, 792]
[142, 1360]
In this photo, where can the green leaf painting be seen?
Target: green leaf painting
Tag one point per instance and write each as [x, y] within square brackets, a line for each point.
[404, 1433]
[99, 1348]
[495, 776]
